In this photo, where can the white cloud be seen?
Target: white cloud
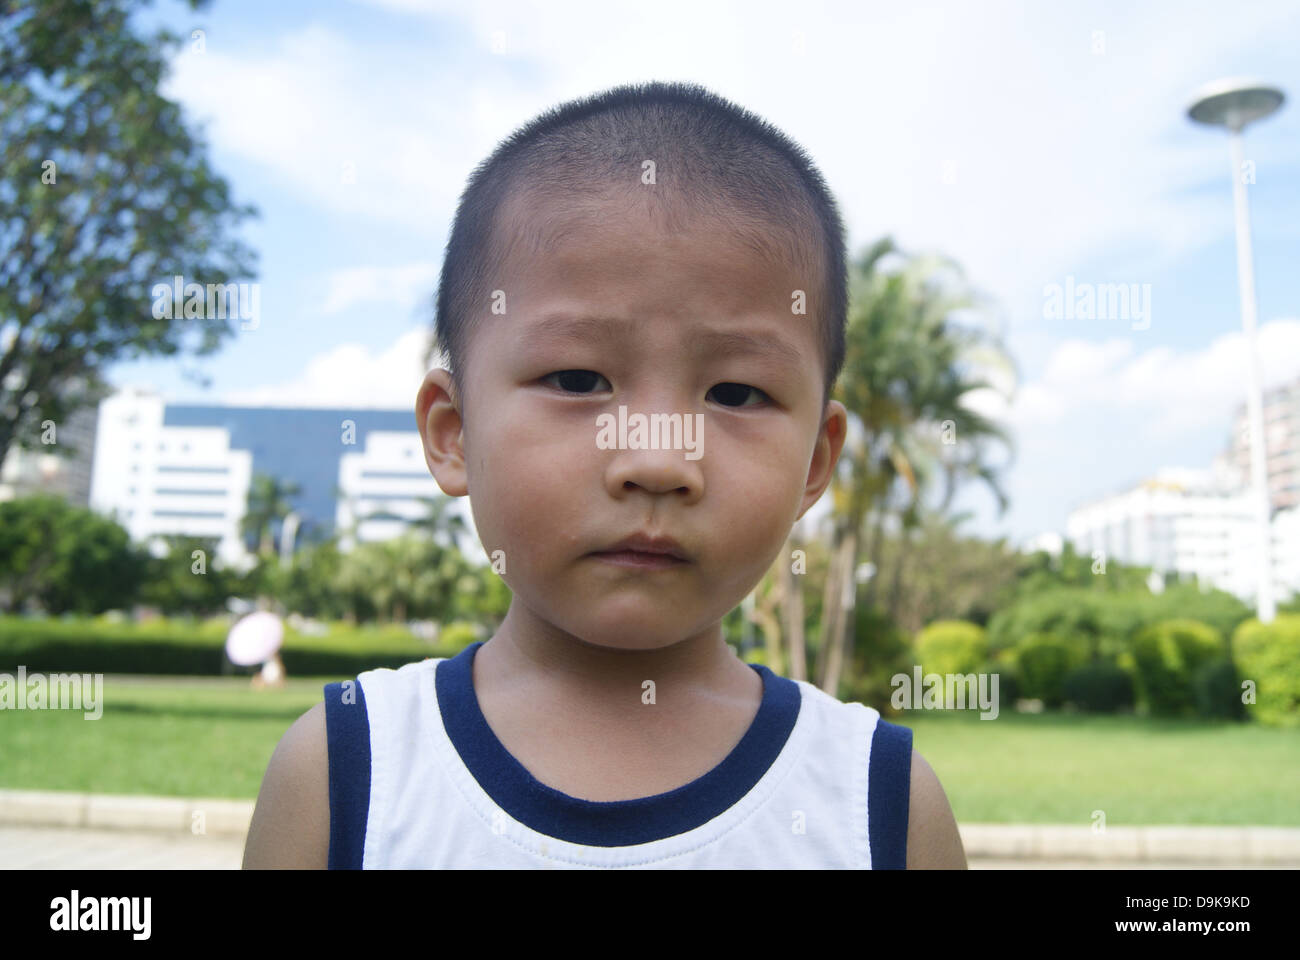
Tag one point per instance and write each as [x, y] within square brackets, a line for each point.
[1158, 389]
[1058, 155]
[401, 286]
[350, 375]
[322, 113]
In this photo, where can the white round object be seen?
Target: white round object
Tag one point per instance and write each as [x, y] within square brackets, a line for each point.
[255, 639]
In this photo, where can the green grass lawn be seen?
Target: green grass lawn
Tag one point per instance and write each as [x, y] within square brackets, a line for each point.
[172, 736]
[212, 737]
[1059, 768]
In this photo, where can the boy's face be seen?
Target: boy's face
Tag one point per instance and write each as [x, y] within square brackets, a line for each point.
[544, 491]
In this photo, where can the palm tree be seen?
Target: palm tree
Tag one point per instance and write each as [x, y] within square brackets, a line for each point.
[907, 374]
[439, 518]
[269, 502]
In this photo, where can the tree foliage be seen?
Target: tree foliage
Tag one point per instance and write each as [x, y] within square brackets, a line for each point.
[104, 193]
[64, 559]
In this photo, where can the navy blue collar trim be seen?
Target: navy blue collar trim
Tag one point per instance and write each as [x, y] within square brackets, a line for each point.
[610, 823]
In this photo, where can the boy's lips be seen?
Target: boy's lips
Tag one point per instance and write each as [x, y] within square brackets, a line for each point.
[647, 547]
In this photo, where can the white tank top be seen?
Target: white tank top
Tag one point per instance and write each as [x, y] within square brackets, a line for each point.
[417, 779]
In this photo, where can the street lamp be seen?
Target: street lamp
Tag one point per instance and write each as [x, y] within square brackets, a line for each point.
[288, 530]
[1234, 104]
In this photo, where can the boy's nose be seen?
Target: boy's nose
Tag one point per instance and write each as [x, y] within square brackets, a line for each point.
[653, 471]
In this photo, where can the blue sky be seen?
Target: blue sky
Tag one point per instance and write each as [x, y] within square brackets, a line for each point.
[1031, 142]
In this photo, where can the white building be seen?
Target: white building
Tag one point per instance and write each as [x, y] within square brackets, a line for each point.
[169, 480]
[59, 464]
[383, 487]
[186, 470]
[1281, 415]
[1190, 522]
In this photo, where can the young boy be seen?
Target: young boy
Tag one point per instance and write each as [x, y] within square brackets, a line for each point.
[650, 254]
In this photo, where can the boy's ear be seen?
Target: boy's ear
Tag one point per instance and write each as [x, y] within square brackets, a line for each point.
[441, 433]
[826, 453]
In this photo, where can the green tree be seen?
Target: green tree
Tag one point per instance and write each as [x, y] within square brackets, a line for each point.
[439, 518]
[187, 578]
[310, 585]
[104, 193]
[943, 575]
[270, 500]
[65, 559]
[910, 370]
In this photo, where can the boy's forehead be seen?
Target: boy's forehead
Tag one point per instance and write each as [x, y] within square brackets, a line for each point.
[613, 269]
[619, 247]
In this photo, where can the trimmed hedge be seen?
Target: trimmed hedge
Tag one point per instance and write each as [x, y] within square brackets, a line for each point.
[951, 647]
[1104, 622]
[1269, 654]
[1099, 687]
[1166, 657]
[1042, 662]
[1216, 688]
[198, 648]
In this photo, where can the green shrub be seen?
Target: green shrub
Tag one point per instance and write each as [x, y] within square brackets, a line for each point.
[1218, 609]
[951, 647]
[1003, 666]
[1269, 655]
[1104, 623]
[881, 651]
[1099, 687]
[457, 636]
[1042, 663]
[1166, 656]
[1097, 623]
[1216, 690]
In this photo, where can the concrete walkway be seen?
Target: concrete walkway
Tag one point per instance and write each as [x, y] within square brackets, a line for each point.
[63, 830]
[77, 848]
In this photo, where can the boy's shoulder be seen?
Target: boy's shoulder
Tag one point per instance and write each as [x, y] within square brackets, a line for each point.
[933, 840]
[291, 819]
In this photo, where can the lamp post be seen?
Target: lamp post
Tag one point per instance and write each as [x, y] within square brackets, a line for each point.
[288, 531]
[1234, 104]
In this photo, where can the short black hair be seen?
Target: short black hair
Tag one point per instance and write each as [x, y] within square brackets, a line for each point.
[713, 156]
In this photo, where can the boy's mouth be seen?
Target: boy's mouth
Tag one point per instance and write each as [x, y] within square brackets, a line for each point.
[644, 550]
[635, 558]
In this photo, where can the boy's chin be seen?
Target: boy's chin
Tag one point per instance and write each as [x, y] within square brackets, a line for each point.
[618, 637]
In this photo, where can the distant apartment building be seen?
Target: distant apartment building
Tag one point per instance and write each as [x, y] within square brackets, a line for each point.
[57, 460]
[383, 487]
[187, 469]
[160, 479]
[1191, 522]
[1281, 445]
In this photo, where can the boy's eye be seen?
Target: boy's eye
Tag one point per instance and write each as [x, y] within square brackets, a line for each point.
[574, 381]
[733, 394]
[585, 381]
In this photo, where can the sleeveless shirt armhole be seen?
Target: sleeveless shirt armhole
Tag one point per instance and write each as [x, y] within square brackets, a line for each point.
[888, 794]
[347, 730]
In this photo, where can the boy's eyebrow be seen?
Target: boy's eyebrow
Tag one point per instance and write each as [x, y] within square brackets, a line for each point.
[586, 329]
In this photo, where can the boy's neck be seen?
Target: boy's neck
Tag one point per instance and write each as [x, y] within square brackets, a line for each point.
[526, 644]
[578, 717]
